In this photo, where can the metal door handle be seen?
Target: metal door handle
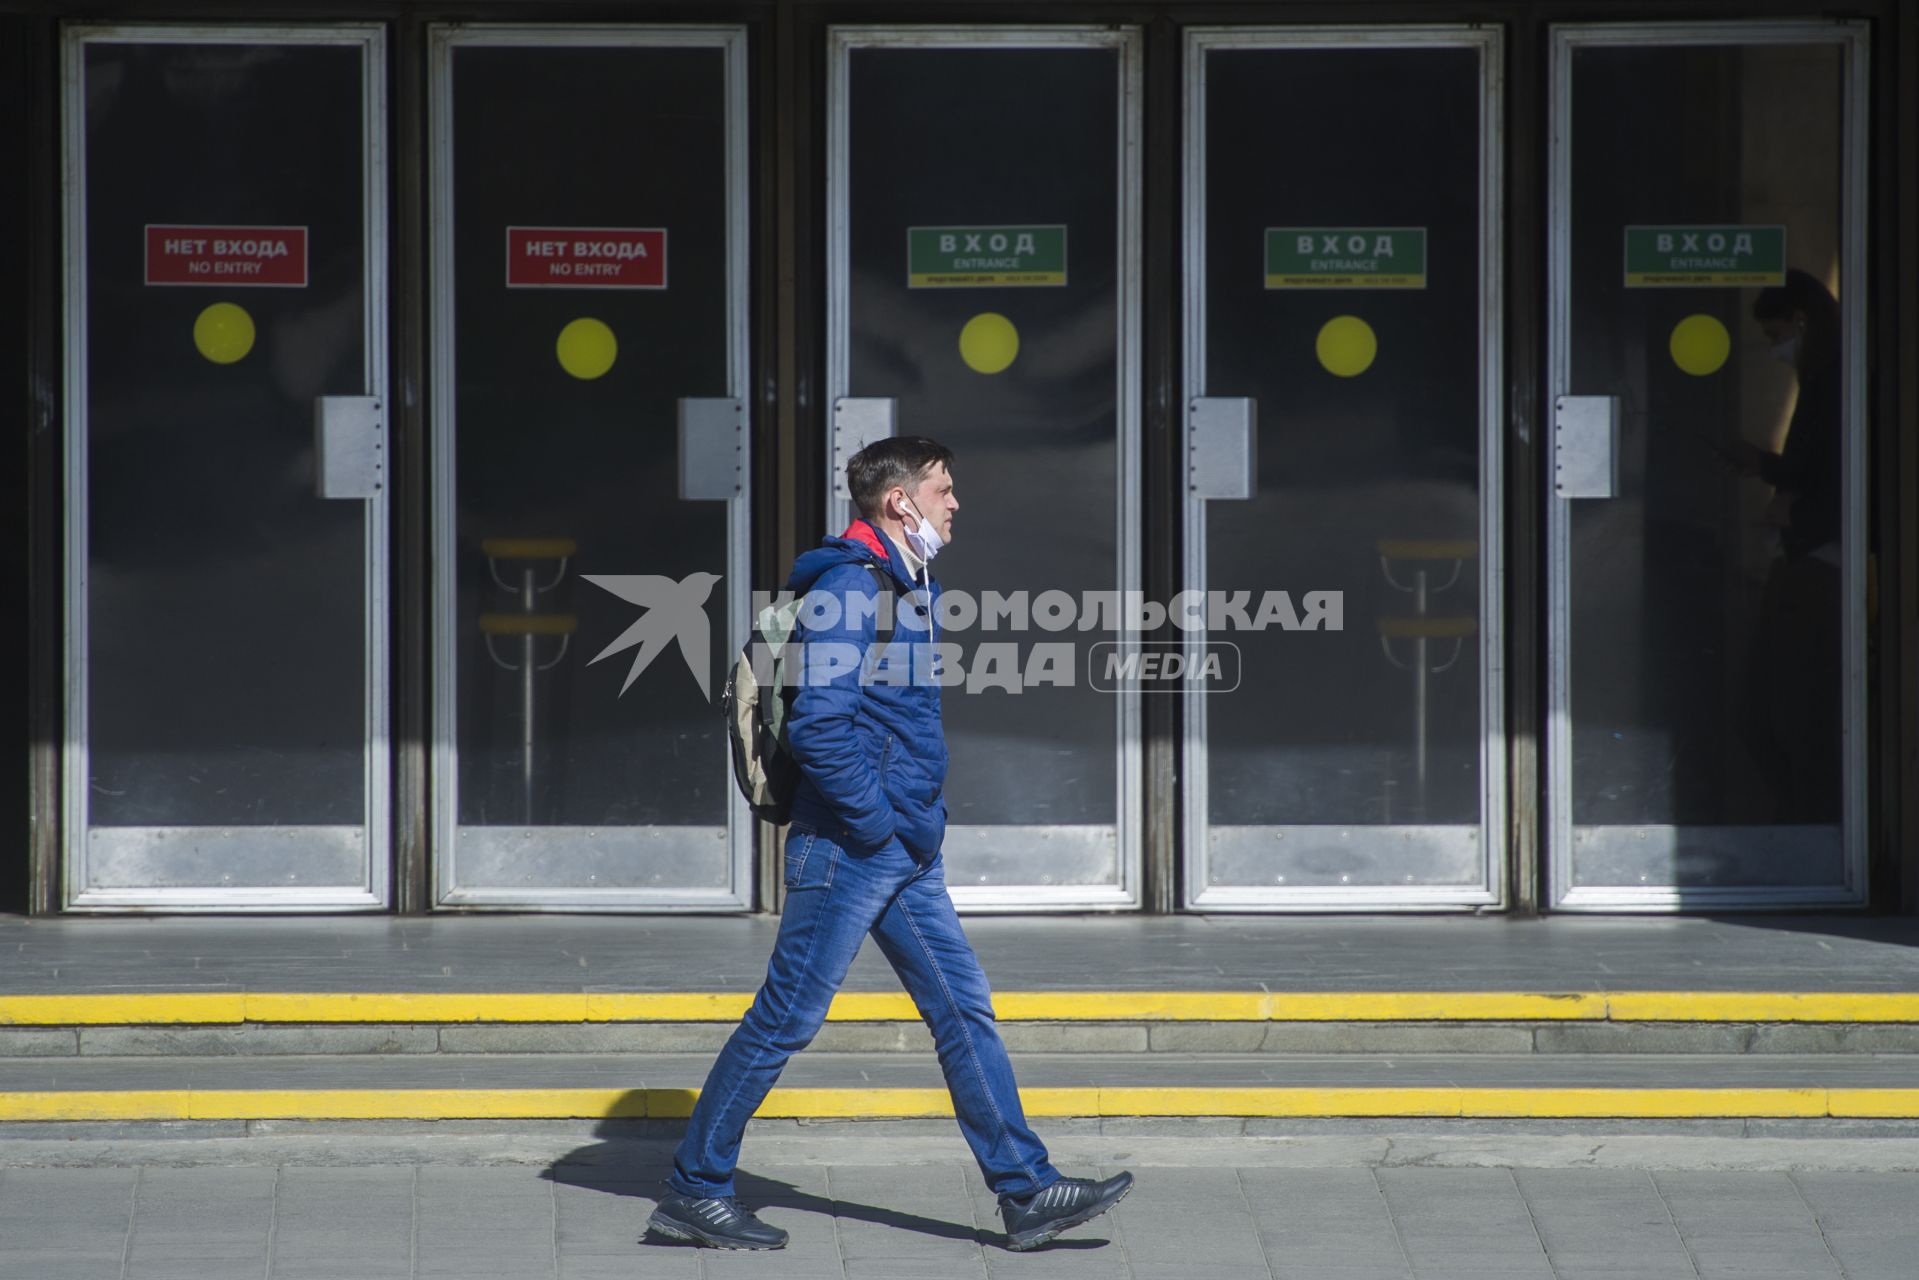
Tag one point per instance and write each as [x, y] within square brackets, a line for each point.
[712, 448]
[349, 444]
[1586, 446]
[1222, 446]
[857, 422]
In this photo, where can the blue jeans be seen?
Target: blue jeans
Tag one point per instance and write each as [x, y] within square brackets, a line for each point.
[834, 899]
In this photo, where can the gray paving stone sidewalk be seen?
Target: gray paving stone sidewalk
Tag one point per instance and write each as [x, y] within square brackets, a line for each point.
[154, 1219]
[69, 955]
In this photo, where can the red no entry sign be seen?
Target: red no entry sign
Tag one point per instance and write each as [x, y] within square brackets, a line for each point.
[586, 257]
[227, 255]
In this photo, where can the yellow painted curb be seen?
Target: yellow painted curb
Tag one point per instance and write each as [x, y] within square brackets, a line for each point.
[822, 1104]
[1123, 1006]
[1763, 1006]
[872, 1006]
[416, 1006]
[853, 1104]
[666, 1006]
[847, 1104]
[1436, 1006]
[232, 1007]
[415, 1104]
[211, 1007]
[97, 1104]
[1873, 1104]
[1643, 1103]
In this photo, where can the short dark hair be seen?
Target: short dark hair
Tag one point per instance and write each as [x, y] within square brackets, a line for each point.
[1801, 292]
[896, 460]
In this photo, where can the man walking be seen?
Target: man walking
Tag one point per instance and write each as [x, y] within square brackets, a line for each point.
[863, 856]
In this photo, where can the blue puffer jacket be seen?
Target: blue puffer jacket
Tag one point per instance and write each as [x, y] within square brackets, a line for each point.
[872, 754]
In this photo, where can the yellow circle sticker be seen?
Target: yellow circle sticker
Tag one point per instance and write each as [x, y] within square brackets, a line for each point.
[587, 348]
[1700, 345]
[224, 333]
[989, 342]
[1346, 346]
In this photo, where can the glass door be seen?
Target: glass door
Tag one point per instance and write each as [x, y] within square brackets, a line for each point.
[983, 291]
[1707, 553]
[226, 507]
[590, 391]
[1342, 516]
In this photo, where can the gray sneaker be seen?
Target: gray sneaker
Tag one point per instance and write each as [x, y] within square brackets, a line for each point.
[717, 1222]
[1066, 1203]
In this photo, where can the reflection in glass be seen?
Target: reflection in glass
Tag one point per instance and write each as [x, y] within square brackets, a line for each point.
[1705, 625]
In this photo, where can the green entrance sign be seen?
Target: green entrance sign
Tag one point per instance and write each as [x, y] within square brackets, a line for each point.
[1345, 257]
[1695, 257]
[980, 257]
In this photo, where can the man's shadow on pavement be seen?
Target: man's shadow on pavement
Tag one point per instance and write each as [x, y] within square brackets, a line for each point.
[635, 1156]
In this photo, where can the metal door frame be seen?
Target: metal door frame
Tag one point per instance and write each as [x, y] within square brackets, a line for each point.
[1197, 894]
[374, 836]
[1852, 39]
[740, 828]
[1127, 41]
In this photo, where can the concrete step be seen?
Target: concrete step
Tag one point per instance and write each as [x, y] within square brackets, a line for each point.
[248, 1023]
[896, 1086]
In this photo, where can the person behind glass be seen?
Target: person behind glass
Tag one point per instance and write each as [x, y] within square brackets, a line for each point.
[1793, 713]
[1801, 323]
[862, 857]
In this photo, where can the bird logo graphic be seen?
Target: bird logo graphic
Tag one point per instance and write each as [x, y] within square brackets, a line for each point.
[675, 611]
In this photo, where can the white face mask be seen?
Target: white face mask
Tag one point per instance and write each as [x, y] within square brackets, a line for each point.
[1788, 351]
[924, 540]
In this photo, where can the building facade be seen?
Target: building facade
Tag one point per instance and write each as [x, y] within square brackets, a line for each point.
[1412, 456]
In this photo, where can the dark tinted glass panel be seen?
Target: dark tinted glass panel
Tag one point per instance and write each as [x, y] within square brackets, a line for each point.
[615, 141]
[1369, 419]
[1705, 625]
[226, 614]
[1018, 138]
